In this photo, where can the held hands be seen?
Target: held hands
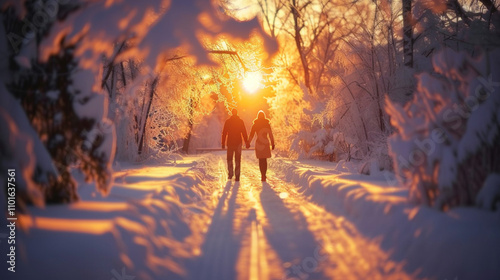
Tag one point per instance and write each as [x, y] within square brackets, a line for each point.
[248, 145]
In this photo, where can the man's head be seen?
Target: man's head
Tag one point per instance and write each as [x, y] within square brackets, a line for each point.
[234, 112]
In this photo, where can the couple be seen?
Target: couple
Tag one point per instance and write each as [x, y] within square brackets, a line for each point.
[234, 129]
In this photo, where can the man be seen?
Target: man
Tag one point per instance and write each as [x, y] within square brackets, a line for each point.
[234, 129]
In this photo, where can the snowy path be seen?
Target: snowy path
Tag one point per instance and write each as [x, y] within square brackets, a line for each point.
[270, 231]
[186, 221]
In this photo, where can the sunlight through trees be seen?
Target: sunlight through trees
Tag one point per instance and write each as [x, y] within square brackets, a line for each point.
[252, 81]
[166, 74]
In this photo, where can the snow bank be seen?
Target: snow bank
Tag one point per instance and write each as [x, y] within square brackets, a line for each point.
[146, 228]
[463, 243]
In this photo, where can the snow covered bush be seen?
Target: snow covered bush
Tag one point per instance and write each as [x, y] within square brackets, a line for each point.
[17, 147]
[326, 144]
[61, 111]
[51, 109]
[305, 144]
[447, 137]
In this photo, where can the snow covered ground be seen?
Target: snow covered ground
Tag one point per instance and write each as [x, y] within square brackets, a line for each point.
[311, 220]
[144, 228]
[463, 243]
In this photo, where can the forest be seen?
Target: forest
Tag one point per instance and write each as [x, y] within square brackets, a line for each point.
[406, 90]
[366, 80]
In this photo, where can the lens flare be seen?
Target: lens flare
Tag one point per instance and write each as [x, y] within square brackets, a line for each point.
[252, 82]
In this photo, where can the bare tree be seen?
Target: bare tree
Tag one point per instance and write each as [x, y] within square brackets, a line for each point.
[273, 13]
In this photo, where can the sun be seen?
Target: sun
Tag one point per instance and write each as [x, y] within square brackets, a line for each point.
[252, 82]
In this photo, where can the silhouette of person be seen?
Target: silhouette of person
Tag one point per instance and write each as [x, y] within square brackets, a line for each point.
[262, 129]
[234, 129]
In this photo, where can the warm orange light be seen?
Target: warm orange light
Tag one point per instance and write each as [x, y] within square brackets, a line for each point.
[252, 82]
[85, 226]
[99, 206]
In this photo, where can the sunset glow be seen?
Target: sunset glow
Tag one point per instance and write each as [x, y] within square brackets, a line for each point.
[252, 82]
[250, 139]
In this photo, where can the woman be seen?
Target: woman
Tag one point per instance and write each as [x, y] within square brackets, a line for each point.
[262, 128]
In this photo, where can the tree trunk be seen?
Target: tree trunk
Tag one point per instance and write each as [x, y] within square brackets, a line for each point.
[145, 121]
[298, 42]
[495, 14]
[407, 34]
[124, 79]
[185, 146]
